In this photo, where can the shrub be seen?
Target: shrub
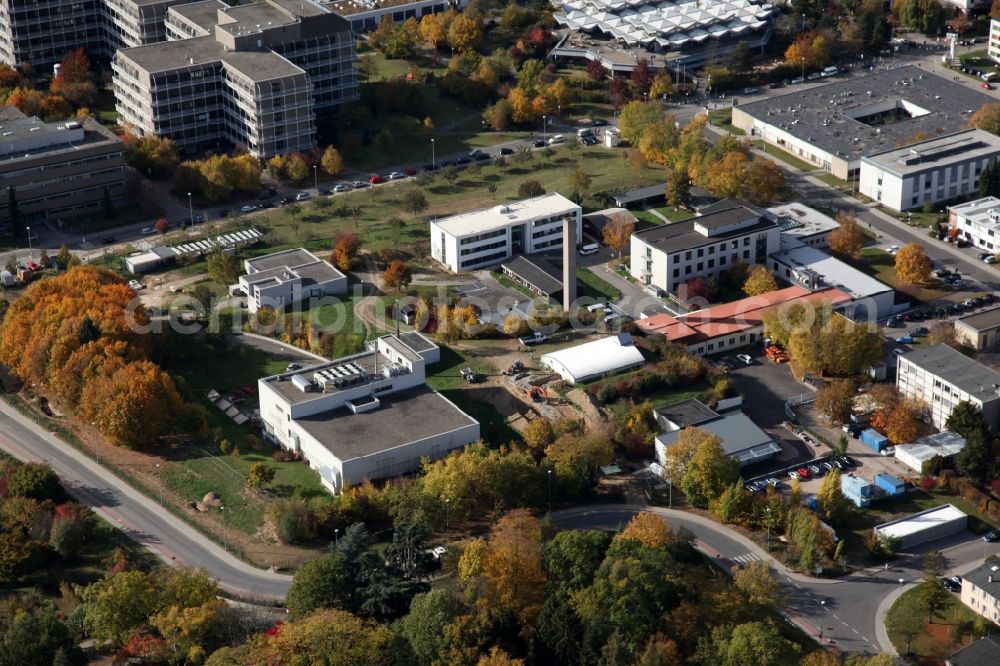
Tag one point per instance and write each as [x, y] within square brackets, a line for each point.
[606, 394]
[927, 482]
[225, 446]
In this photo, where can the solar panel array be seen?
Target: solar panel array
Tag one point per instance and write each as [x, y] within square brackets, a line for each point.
[231, 239]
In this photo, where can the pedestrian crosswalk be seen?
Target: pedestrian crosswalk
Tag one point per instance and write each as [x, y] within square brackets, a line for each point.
[745, 559]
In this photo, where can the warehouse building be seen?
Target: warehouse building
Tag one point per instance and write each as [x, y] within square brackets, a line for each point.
[366, 416]
[592, 360]
[832, 126]
[938, 169]
[929, 525]
[941, 377]
[980, 331]
[742, 439]
[487, 237]
[945, 445]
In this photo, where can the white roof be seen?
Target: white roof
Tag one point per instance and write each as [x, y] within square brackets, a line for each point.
[505, 215]
[835, 273]
[801, 220]
[942, 444]
[919, 522]
[614, 353]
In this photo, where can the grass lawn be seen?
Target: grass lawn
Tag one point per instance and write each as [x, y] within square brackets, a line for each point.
[592, 286]
[833, 181]
[724, 118]
[785, 157]
[937, 640]
[510, 284]
[445, 376]
[673, 214]
[882, 266]
[646, 216]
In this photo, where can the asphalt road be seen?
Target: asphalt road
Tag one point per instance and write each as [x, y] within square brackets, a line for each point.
[140, 517]
[845, 613]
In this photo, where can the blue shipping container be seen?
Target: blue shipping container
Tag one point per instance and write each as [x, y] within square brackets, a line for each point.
[873, 439]
[890, 483]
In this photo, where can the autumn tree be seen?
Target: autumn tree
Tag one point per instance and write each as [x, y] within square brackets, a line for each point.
[762, 181]
[835, 401]
[414, 201]
[758, 584]
[847, 239]
[223, 269]
[512, 572]
[987, 118]
[830, 498]
[759, 281]
[260, 475]
[331, 161]
[538, 434]
[698, 465]
[465, 32]
[327, 632]
[74, 80]
[913, 265]
[529, 189]
[617, 233]
[149, 154]
[345, 250]
[579, 182]
[397, 275]
[433, 31]
[903, 423]
[647, 528]
[942, 332]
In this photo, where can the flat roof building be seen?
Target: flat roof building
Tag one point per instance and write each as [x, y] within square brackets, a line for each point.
[280, 279]
[58, 170]
[732, 325]
[670, 255]
[832, 126]
[813, 268]
[980, 331]
[929, 525]
[981, 591]
[742, 439]
[941, 377]
[938, 169]
[591, 360]
[977, 222]
[536, 273]
[366, 416]
[945, 445]
[489, 236]
[365, 15]
[253, 76]
[804, 224]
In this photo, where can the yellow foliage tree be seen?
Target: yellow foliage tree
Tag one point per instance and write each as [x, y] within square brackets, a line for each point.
[512, 572]
[847, 239]
[648, 529]
[760, 281]
[465, 33]
[913, 265]
[522, 112]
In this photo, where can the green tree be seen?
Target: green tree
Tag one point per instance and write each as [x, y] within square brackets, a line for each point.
[756, 582]
[414, 201]
[978, 459]
[423, 627]
[635, 117]
[64, 256]
[328, 636]
[709, 470]
[907, 620]
[752, 644]
[573, 557]
[530, 188]
[35, 637]
[989, 180]
[580, 182]
[965, 419]
[35, 481]
[321, 583]
[830, 498]
[260, 475]
[223, 269]
[112, 607]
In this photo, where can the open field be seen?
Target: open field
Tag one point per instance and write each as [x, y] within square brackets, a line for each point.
[938, 639]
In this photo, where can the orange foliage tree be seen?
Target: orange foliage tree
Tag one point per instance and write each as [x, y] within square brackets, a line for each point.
[345, 250]
[513, 577]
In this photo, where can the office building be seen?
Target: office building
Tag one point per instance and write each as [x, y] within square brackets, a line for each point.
[742, 439]
[804, 224]
[993, 41]
[280, 279]
[253, 76]
[981, 591]
[366, 416]
[977, 222]
[58, 170]
[365, 15]
[487, 237]
[930, 171]
[980, 331]
[941, 377]
[671, 255]
[832, 126]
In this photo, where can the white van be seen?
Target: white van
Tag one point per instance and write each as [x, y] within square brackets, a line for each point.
[830, 71]
[557, 138]
[593, 248]
[596, 307]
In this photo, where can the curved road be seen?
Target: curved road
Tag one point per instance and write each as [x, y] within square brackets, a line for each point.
[846, 613]
[141, 518]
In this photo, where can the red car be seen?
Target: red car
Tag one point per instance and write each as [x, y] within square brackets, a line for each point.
[410, 171]
[376, 179]
[985, 86]
[803, 472]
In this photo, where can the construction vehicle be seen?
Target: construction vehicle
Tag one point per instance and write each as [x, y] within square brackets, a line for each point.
[514, 368]
[470, 376]
[776, 354]
[538, 393]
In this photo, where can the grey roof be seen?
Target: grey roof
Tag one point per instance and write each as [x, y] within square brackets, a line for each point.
[536, 271]
[203, 14]
[640, 194]
[415, 341]
[982, 321]
[682, 236]
[912, 159]
[28, 137]
[402, 418]
[944, 444]
[401, 348]
[984, 652]
[957, 369]
[741, 437]
[980, 577]
[687, 412]
[729, 203]
[206, 51]
[824, 115]
[282, 259]
[318, 272]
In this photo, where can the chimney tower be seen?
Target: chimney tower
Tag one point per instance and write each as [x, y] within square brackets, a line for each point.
[569, 263]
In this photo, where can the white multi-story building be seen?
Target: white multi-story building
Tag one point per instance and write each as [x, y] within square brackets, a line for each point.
[670, 255]
[366, 416]
[279, 279]
[981, 592]
[482, 238]
[803, 223]
[938, 169]
[993, 41]
[941, 377]
[978, 222]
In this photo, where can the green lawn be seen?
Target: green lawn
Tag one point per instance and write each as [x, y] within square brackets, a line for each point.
[937, 640]
[882, 266]
[833, 181]
[724, 118]
[510, 284]
[646, 216]
[592, 286]
[784, 156]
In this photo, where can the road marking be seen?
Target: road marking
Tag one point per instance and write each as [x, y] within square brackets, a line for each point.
[745, 559]
[855, 631]
[835, 616]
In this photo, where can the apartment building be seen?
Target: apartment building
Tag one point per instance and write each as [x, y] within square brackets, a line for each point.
[941, 377]
[930, 171]
[670, 255]
[280, 279]
[981, 591]
[40, 33]
[978, 222]
[993, 41]
[481, 238]
[58, 170]
[366, 416]
[253, 76]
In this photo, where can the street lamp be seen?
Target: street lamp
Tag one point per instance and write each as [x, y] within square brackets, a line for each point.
[822, 604]
[316, 178]
[802, 59]
[225, 535]
[433, 156]
[544, 119]
[550, 490]
[336, 536]
[31, 255]
[767, 522]
[160, 478]
[447, 506]
[190, 209]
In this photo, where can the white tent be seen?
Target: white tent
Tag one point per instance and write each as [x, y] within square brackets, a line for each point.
[946, 444]
[591, 360]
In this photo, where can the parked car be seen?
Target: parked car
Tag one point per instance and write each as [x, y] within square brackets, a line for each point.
[985, 86]
[538, 143]
[376, 179]
[302, 196]
[396, 175]
[847, 460]
[135, 285]
[803, 472]
[751, 90]
[992, 536]
[904, 340]
[430, 167]
[506, 151]
[920, 332]
[794, 474]
[746, 359]
[950, 585]
[224, 213]
[342, 187]
[888, 451]
[410, 171]
[292, 367]
[360, 184]
[108, 240]
[148, 231]
[598, 122]
[249, 208]
[816, 470]
[774, 482]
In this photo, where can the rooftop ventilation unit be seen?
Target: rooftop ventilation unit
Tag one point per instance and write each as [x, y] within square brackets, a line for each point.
[302, 383]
